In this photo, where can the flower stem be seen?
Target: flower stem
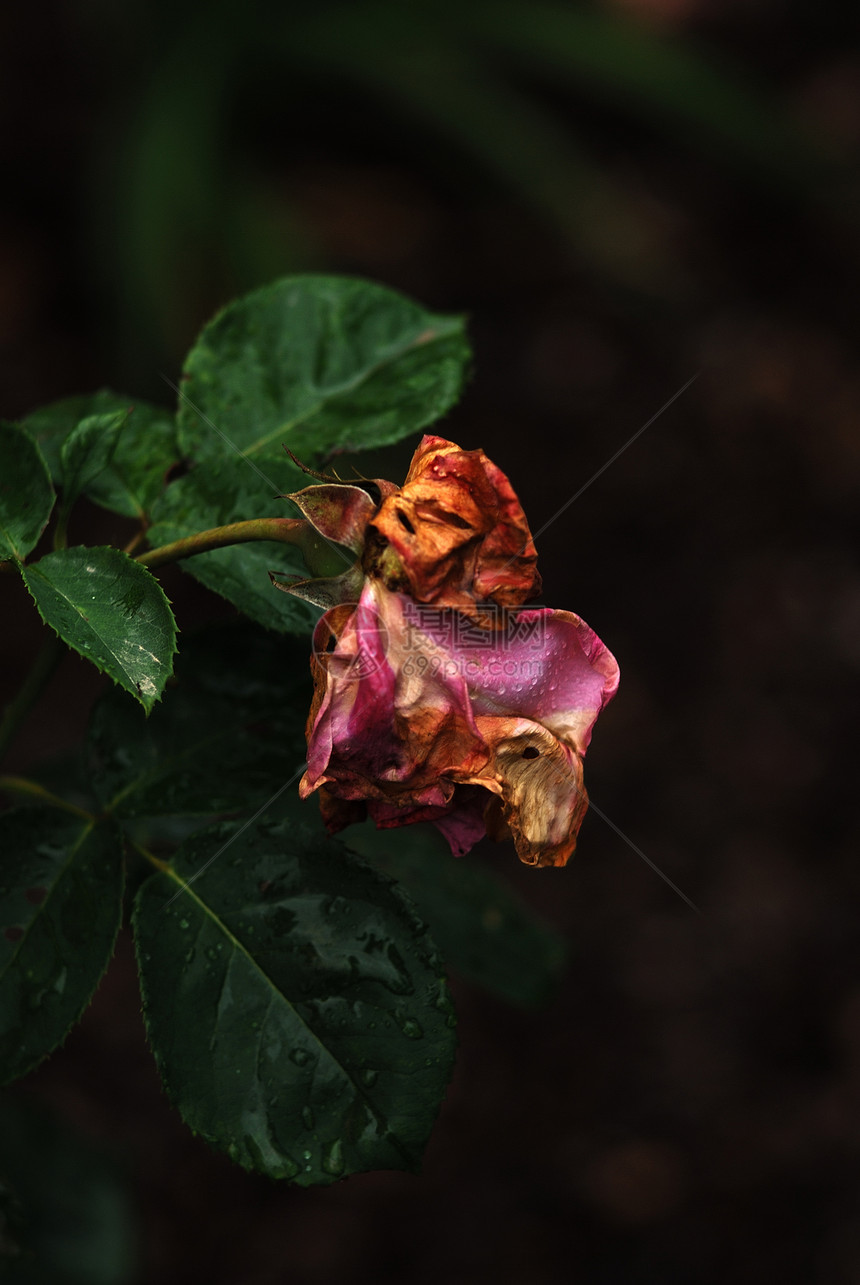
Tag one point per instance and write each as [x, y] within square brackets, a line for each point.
[289, 530]
[31, 689]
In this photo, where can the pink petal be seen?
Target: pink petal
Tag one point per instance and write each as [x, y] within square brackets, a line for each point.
[545, 665]
[425, 716]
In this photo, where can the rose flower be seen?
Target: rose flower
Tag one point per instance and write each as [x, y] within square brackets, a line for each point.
[438, 696]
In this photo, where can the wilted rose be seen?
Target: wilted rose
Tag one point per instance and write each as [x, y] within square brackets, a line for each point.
[438, 695]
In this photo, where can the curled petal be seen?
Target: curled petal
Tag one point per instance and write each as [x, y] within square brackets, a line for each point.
[455, 534]
[378, 732]
[538, 664]
[422, 715]
[539, 781]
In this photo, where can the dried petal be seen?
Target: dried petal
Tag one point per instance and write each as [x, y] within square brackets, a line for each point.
[455, 534]
[415, 707]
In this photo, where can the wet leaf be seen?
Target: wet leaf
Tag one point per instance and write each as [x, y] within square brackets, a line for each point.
[88, 450]
[483, 930]
[295, 1004]
[111, 610]
[26, 494]
[321, 365]
[147, 448]
[228, 733]
[61, 898]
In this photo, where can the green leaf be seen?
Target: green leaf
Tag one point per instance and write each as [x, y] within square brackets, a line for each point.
[61, 905]
[321, 365]
[228, 734]
[484, 931]
[218, 492]
[145, 452]
[88, 450]
[26, 494]
[71, 1219]
[111, 610]
[295, 1004]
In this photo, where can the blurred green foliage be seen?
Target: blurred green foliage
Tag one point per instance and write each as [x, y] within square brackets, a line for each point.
[191, 198]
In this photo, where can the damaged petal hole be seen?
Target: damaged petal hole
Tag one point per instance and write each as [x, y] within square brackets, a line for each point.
[530, 752]
[404, 522]
[455, 520]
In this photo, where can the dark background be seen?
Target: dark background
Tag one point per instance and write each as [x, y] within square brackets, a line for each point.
[686, 1110]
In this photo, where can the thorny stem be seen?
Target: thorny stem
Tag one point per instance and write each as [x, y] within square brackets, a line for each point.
[34, 684]
[289, 530]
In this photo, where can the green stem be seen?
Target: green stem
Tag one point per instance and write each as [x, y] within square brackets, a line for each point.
[164, 866]
[135, 541]
[61, 529]
[34, 684]
[33, 790]
[289, 530]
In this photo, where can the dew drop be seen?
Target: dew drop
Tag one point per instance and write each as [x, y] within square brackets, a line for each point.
[300, 1056]
[411, 1029]
[307, 1117]
[183, 923]
[369, 1077]
[333, 1158]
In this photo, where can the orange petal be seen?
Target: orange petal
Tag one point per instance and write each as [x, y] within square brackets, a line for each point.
[454, 534]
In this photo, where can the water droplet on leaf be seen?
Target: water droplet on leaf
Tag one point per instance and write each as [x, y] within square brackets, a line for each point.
[333, 1158]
